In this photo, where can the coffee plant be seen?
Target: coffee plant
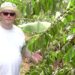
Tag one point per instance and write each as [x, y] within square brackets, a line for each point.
[57, 46]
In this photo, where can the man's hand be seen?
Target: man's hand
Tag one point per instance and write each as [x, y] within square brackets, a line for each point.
[36, 57]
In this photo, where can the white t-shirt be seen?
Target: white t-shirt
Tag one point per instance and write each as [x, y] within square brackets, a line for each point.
[11, 42]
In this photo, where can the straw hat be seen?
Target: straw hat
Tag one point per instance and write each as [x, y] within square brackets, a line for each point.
[10, 6]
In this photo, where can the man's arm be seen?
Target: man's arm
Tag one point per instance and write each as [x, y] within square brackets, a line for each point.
[25, 52]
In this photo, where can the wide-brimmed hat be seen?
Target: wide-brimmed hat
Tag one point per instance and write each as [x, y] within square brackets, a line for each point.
[10, 6]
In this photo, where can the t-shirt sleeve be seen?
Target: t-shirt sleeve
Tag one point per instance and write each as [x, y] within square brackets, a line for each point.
[23, 43]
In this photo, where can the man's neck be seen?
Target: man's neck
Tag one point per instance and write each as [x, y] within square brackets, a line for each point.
[6, 26]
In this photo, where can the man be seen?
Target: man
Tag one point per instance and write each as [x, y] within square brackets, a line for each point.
[12, 39]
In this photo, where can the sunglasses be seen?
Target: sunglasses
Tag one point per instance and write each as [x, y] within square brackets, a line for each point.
[9, 13]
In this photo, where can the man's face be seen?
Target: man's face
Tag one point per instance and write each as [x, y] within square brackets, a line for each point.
[7, 16]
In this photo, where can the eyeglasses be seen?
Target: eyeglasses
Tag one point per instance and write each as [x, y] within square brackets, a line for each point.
[9, 13]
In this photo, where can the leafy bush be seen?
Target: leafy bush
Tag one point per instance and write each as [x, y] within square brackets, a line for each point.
[57, 48]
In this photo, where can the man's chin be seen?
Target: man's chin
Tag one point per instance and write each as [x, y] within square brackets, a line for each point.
[8, 21]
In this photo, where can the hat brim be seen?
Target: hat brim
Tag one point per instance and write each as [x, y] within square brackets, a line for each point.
[18, 14]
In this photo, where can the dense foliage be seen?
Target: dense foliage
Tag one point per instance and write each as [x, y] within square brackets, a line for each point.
[57, 43]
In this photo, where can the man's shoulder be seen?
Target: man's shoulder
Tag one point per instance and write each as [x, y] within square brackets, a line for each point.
[17, 28]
